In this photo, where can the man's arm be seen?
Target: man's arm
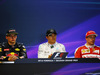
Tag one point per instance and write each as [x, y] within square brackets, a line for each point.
[23, 53]
[1, 52]
[40, 51]
[63, 48]
[78, 53]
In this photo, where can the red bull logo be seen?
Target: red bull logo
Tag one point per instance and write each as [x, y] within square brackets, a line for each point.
[12, 54]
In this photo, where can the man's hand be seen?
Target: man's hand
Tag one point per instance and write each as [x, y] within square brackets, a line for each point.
[1, 58]
[49, 56]
[12, 58]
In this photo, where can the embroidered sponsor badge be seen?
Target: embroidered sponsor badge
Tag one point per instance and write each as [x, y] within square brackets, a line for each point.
[0, 49]
[93, 49]
[96, 51]
[85, 51]
[12, 53]
[24, 49]
[17, 49]
[6, 49]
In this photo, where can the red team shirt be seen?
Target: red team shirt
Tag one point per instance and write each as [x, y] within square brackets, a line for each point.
[88, 52]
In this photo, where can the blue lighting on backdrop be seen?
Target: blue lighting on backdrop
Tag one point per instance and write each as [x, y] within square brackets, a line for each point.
[70, 18]
[73, 37]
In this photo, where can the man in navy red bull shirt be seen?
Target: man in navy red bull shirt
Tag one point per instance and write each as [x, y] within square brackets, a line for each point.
[12, 50]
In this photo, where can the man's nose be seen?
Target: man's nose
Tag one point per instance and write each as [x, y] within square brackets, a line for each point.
[93, 38]
[53, 36]
[12, 36]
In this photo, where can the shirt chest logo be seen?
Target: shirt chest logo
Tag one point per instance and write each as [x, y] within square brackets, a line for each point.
[17, 49]
[96, 51]
[12, 54]
[6, 49]
[46, 51]
[0, 49]
[85, 51]
[24, 49]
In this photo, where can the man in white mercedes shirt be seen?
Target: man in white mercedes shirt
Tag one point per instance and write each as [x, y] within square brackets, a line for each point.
[47, 49]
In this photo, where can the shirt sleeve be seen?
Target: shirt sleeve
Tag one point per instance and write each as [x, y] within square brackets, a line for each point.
[63, 48]
[1, 53]
[78, 53]
[23, 53]
[1, 50]
[40, 51]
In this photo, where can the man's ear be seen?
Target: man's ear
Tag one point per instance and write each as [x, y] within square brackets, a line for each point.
[86, 38]
[6, 37]
[46, 37]
[16, 37]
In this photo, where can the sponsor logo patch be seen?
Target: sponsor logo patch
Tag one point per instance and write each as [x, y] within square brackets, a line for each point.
[24, 49]
[6, 49]
[17, 49]
[85, 51]
[12, 53]
[0, 49]
[96, 51]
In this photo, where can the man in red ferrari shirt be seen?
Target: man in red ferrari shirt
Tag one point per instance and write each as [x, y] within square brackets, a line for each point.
[89, 50]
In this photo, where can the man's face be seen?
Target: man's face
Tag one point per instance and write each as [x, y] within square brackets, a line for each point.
[11, 38]
[51, 38]
[91, 39]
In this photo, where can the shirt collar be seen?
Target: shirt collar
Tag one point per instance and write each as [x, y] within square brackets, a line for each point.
[11, 46]
[52, 44]
[89, 46]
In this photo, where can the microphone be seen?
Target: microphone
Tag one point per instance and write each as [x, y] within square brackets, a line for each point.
[52, 46]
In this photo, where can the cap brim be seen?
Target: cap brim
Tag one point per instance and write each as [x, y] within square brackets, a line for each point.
[51, 34]
[93, 34]
[12, 33]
